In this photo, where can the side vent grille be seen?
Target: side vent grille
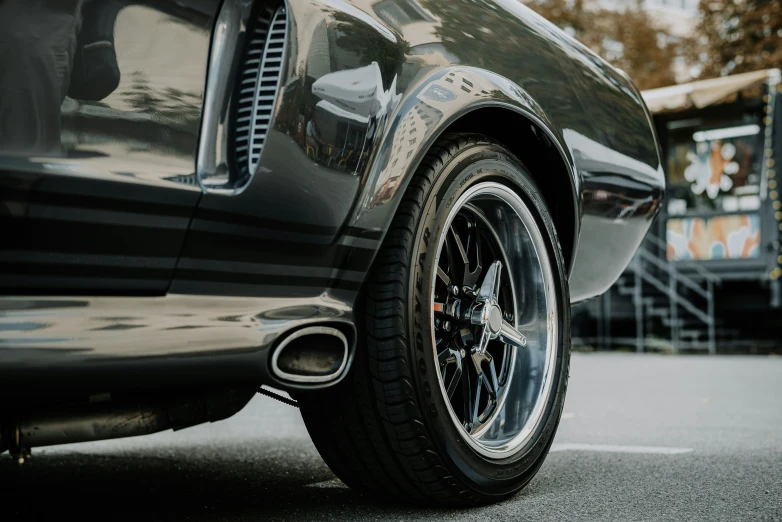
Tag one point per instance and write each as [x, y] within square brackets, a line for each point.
[259, 80]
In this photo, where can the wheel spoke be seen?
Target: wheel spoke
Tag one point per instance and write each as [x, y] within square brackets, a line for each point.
[454, 382]
[476, 413]
[460, 247]
[490, 287]
[473, 270]
[489, 382]
[443, 276]
[446, 356]
[458, 263]
[467, 399]
[483, 381]
[480, 351]
[493, 381]
[511, 336]
[451, 267]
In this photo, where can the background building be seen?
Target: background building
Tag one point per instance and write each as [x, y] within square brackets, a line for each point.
[710, 273]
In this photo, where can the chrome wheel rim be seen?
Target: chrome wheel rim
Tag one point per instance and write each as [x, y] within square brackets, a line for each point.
[493, 322]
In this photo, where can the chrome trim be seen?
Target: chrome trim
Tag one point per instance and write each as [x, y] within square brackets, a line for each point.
[211, 167]
[310, 330]
[175, 340]
[257, 132]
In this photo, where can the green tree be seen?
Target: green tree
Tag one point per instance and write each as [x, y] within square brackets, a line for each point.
[628, 38]
[739, 36]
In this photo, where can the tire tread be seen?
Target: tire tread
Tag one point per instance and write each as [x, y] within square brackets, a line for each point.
[369, 428]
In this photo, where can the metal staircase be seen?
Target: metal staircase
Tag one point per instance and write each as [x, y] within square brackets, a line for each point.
[674, 302]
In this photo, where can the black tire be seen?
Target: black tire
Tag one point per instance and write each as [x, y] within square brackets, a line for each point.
[383, 430]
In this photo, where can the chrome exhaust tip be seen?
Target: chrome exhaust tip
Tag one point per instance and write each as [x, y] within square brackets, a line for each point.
[312, 355]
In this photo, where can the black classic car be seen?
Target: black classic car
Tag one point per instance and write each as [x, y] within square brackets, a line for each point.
[382, 208]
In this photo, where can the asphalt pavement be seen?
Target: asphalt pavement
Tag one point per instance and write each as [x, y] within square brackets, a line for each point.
[643, 437]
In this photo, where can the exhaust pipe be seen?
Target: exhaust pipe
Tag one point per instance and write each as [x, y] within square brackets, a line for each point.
[312, 355]
[101, 421]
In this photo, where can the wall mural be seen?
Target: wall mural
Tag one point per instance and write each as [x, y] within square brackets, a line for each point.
[717, 169]
[720, 237]
[711, 167]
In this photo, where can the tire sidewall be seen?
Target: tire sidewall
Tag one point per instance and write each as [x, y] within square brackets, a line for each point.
[479, 162]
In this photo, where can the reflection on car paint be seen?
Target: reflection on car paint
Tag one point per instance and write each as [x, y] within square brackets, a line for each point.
[97, 141]
[60, 340]
[111, 204]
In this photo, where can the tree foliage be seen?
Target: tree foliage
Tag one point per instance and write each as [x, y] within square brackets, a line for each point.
[739, 36]
[628, 38]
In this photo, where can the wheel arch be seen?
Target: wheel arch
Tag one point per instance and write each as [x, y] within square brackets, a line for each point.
[472, 100]
[525, 139]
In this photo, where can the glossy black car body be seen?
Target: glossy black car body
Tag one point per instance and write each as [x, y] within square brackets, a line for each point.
[138, 254]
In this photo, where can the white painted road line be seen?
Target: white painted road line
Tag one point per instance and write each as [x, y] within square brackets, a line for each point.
[610, 448]
[565, 446]
[333, 483]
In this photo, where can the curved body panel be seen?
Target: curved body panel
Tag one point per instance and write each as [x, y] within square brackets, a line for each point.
[98, 134]
[364, 87]
[74, 345]
[379, 91]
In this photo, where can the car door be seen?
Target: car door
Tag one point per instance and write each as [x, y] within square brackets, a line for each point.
[100, 108]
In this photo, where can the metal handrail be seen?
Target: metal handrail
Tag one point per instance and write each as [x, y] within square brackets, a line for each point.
[684, 303]
[688, 281]
[706, 274]
[645, 258]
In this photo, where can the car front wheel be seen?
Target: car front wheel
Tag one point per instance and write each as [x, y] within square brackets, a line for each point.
[460, 374]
